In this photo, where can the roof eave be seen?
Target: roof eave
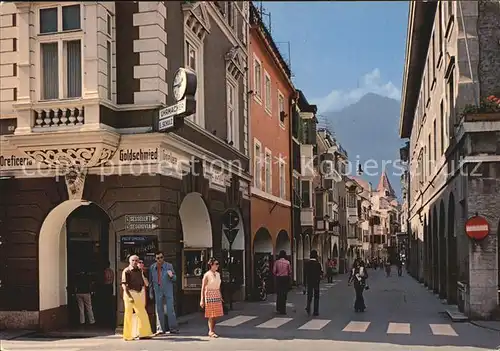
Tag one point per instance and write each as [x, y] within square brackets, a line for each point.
[420, 24]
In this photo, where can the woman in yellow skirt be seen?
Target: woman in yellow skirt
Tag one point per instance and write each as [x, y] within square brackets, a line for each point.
[211, 297]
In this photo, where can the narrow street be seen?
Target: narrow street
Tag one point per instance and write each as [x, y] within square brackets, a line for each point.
[400, 313]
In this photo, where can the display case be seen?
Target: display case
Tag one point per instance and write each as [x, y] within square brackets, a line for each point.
[194, 265]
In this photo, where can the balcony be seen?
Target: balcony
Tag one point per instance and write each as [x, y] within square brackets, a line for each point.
[307, 216]
[352, 215]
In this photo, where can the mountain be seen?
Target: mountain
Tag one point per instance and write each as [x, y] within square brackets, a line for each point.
[368, 130]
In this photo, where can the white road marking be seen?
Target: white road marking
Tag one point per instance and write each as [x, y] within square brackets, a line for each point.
[274, 323]
[399, 328]
[442, 329]
[356, 327]
[233, 322]
[315, 324]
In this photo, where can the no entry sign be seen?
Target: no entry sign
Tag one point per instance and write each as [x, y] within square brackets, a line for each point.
[477, 228]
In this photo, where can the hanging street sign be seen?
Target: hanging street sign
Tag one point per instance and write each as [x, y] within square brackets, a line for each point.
[140, 218]
[477, 228]
[184, 90]
[141, 222]
[141, 226]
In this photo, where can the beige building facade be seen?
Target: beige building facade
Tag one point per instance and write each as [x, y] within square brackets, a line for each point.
[452, 63]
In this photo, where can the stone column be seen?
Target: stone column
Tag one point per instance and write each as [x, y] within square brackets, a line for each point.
[151, 46]
[25, 68]
[483, 199]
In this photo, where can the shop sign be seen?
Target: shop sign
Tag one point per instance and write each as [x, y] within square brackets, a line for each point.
[12, 161]
[144, 156]
[144, 246]
[184, 90]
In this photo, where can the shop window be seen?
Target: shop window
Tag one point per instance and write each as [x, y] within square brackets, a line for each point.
[194, 266]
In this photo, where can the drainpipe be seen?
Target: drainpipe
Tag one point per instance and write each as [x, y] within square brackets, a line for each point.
[292, 104]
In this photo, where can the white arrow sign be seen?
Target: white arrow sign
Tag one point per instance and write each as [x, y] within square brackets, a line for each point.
[141, 226]
[140, 218]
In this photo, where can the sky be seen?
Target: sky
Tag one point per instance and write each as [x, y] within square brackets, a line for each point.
[342, 50]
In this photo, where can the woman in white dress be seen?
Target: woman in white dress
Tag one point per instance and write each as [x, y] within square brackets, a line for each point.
[211, 297]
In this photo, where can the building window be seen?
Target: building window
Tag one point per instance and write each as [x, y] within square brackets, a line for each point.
[109, 66]
[60, 52]
[434, 136]
[193, 262]
[306, 194]
[267, 92]
[231, 114]
[257, 79]
[109, 24]
[194, 61]
[59, 19]
[69, 62]
[257, 172]
[281, 109]
[441, 117]
[282, 174]
[268, 172]
[351, 200]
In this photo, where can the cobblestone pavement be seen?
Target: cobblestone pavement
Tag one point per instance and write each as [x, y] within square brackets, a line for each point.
[401, 315]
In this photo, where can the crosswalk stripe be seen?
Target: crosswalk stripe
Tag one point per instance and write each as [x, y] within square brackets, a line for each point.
[315, 324]
[442, 329]
[274, 323]
[233, 322]
[399, 328]
[356, 327]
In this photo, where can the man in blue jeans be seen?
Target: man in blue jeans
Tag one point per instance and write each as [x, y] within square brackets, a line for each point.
[161, 282]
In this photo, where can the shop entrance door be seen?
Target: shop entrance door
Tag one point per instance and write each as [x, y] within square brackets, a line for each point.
[88, 256]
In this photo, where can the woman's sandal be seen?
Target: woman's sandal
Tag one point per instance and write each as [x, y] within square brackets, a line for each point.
[213, 335]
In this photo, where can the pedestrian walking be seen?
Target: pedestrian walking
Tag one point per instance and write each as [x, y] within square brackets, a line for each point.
[282, 270]
[329, 270]
[162, 277]
[314, 273]
[134, 297]
[211, 297]
[358, 277]
[387, 268]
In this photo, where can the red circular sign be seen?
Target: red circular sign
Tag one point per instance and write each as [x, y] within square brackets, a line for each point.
[477, 228]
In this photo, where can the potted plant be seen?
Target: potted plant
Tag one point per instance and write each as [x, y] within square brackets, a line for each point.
[487, 110]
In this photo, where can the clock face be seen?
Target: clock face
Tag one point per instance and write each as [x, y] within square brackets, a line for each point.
[180, 84]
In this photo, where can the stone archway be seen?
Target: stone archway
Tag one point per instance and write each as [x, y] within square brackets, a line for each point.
[283, 242]
[263, 242]
[52, 256]
[442, 261]
[435, 251]
[452, 263]
[195, 222]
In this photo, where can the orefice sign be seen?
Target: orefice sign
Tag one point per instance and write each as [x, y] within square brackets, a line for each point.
[184, 90]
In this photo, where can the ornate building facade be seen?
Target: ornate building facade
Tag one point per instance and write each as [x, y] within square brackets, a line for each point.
[85, 177]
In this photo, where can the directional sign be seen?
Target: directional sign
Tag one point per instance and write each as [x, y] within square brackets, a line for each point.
[231, 235]
[140, 226]
[140, 218]
[477, 228]
[172, 117]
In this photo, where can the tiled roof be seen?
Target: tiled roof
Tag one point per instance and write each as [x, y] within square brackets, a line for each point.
[385, 185]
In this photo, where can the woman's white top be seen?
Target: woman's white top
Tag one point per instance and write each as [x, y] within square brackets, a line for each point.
[213, 280]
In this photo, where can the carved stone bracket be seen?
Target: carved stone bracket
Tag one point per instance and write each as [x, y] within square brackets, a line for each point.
[196, 18]
[72, 157]
[234, 64]
[75, 182]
